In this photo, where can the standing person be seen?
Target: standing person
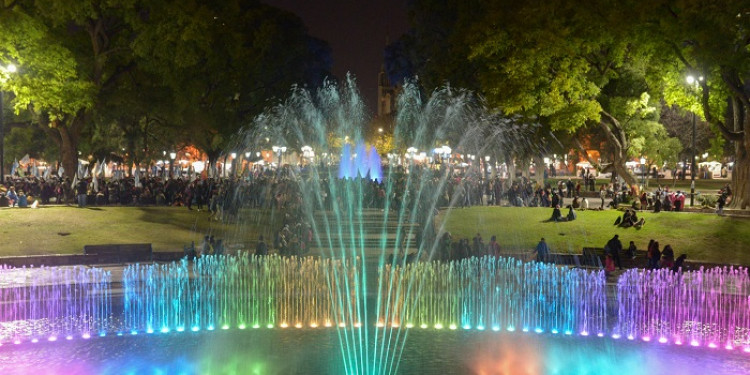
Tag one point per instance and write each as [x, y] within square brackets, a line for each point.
[494, 247]
[81, 188]
[614, 247]
[667, 257]
[542, 251]
[654, 256]
[478, 245]
[602, 194]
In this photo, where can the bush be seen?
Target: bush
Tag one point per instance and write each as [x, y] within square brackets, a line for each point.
[707, 200]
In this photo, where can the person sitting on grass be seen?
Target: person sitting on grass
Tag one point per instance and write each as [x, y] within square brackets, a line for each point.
[556, 214]
[571, 214]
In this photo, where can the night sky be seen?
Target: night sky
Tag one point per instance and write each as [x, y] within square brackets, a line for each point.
[356, 30]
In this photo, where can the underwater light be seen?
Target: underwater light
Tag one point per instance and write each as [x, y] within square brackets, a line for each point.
[69, 337]
[86, 336]
[164, 330]
[423, 326]
[195, 329]
[495, 328]
[538, 330]
[225, 326]
[452, 326]
[180, 329]
[663, 340]
[438, 326]
[35, 340]
[242, 326]
[52, 338]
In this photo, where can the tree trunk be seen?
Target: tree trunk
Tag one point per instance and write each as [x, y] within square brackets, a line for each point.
[68, 151]
[540, 167]
[741, 182]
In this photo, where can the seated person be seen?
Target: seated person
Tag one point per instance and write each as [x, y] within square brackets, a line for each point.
[556, 214]
[571, 214]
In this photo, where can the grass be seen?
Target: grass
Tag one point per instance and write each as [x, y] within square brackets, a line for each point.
[703, 237]
[65, 230]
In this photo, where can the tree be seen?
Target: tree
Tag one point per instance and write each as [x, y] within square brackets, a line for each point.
[68, 52]
[711, 40]
[574, 65]
[225, 62]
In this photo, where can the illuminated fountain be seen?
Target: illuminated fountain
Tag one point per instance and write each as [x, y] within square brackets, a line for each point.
[359, 286]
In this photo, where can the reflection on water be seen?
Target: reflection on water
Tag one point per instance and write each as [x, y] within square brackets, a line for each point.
[305, 351]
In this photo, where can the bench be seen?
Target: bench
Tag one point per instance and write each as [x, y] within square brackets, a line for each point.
[120, 252]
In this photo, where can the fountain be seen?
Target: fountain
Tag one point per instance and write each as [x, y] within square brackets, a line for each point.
[375, 284]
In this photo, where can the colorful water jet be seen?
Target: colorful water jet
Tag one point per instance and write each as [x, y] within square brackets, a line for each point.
[363, 163]
[222, 292]
[53, 303]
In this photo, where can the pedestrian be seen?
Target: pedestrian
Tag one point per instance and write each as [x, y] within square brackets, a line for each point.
[494, 247]
[542, 251]
[614, 247]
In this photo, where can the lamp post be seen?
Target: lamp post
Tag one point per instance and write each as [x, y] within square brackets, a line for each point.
[3, 70]
[693, 83]
[643, 173]
[172, 156]
[280, 150]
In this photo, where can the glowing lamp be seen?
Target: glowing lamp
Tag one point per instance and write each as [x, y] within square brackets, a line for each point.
[242, 326]
[196, 329]
[452, 326]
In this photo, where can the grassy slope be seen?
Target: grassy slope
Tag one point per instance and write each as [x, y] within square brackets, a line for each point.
[704, 237]
[35, 231]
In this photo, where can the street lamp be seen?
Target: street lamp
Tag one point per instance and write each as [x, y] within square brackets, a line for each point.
[3, 71]
[172, 156]
[643, 173]
[280, 150]
[695, 84]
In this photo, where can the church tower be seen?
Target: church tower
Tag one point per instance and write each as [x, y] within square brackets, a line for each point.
[386, 95]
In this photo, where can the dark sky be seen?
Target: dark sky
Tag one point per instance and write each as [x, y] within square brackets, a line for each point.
[356, 30]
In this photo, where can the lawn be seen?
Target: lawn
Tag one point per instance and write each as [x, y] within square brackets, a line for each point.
[65, 230]
[703, 237]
